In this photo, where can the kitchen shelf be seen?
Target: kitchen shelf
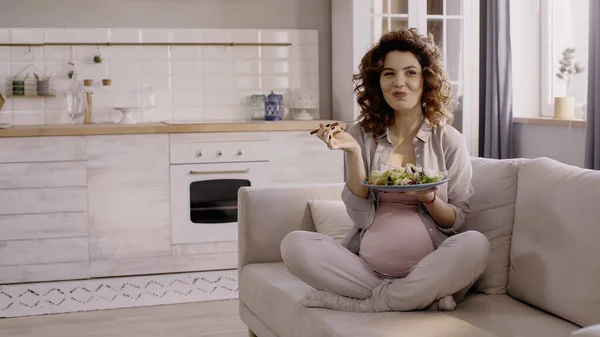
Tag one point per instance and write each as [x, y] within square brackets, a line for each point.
[226, 44]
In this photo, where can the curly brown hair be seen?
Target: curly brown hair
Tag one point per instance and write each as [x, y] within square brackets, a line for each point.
[437, 100]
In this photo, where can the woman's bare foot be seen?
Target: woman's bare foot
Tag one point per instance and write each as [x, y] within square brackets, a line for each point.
[443, 304]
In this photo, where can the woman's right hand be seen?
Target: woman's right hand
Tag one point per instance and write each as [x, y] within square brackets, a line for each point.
[336, 138]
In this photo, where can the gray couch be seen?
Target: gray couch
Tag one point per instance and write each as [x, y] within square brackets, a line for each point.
[543, 275]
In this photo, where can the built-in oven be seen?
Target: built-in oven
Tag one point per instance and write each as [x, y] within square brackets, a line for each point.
[204, 199]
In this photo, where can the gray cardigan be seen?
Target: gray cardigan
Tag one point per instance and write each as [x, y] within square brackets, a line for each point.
[442, 148]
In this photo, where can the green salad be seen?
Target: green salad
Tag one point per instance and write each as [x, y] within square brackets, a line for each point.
[409, 175]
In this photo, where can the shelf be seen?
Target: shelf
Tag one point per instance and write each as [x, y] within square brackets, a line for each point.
[29, 96]
[226, 44]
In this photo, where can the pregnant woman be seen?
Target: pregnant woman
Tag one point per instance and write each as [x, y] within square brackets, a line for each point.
[406, 251]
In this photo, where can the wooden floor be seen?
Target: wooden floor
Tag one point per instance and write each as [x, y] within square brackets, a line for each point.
[219, 319]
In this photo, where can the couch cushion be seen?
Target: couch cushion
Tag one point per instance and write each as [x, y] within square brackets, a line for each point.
[273, 295]
[492, 213]
[331, 218]
[554, 248]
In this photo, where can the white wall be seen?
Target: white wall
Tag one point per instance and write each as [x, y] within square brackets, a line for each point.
[556, 142]
[224, 14]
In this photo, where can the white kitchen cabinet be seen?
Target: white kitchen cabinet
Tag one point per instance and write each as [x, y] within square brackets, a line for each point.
[296, 157]
[128, 190]
[43, 209]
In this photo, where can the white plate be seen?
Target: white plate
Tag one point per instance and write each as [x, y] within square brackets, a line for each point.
[405, 188]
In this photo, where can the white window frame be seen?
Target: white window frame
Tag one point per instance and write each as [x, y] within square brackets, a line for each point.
[547, 59]
[352, 30]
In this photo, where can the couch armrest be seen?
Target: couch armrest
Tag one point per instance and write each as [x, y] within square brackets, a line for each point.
[590, 331]
[267, 214]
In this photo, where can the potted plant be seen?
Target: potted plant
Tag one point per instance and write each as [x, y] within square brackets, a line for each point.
[564, 107]
[97, 58]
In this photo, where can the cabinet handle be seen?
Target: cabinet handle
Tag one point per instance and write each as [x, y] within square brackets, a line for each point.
[220, 153]
[220, 171]
[239, 153]
[199, 154]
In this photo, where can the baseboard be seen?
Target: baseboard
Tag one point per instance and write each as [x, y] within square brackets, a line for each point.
[30, 299]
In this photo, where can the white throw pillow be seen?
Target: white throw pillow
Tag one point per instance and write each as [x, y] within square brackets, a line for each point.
[330, 218]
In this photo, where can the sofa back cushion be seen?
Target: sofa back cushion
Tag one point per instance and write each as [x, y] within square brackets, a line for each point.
[492, 211]
[331, 218]
[554, 249]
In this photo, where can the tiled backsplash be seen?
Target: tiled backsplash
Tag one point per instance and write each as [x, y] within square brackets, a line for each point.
[189, 82]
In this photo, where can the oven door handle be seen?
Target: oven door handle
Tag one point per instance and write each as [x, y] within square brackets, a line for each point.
[220, 171]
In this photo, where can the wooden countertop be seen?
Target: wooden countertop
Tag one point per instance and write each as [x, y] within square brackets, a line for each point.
[145, 128]
[549, 121]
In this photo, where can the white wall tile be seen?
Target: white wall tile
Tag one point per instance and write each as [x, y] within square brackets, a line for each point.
[56, 53]
[246, 67]
[4, 70]
[186, 35]
[125, 52]
[154, 53]
[123, 68]
[155, 82]
[163, 98]
[187, 113]
[185, 67]
[56, 69]
[185, 82]
[246, 82]
[61, 35]
[218, 98]
[4, 35]
[57, 117]
[28, 118]
[90, 35]
[216, 35]
[216, 67]
[216, 82]
[190, 82]
[216, 52]
[186, 52]
[275, 82]
[125, 35]
[85, 54]
[27, 104]
[26, 54]
[5, 117]
[186, 98]
[26, 35]
[156, 35]
[245, 35]
[275, 67]
[274, 36]
[156, 67]
[304, 37]
[5, 54]
[245, 52]
[275, 52]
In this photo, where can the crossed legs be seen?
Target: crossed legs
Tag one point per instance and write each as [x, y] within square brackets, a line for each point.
[346, 282]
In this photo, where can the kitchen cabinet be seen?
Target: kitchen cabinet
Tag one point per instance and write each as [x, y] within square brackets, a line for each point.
[109, 205]
[43, 209]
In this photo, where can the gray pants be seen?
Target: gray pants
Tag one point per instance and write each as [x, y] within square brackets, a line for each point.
[451, 269]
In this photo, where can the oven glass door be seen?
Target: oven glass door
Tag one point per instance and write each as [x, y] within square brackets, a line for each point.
[204, 199]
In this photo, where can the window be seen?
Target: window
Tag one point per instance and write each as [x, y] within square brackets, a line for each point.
[564, 24]
[455, 28]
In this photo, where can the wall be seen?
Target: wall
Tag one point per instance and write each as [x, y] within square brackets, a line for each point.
[217, 14]
[560, 143]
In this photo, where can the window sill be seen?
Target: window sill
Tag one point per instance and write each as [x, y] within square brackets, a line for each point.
[579, 123]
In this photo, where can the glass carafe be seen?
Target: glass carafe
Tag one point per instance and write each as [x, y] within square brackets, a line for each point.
[75, 102]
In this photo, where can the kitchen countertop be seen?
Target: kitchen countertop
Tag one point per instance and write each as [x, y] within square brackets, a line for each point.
[159, 127]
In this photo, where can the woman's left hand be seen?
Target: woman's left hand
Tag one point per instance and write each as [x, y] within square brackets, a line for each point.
[424, 195]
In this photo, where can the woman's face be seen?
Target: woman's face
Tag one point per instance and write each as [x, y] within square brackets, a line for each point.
[401, 80]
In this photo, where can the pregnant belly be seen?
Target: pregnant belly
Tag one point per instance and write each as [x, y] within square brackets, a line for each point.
[396, 241]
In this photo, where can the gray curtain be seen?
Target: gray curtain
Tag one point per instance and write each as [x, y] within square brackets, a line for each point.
[495, 92]
[592, 128]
